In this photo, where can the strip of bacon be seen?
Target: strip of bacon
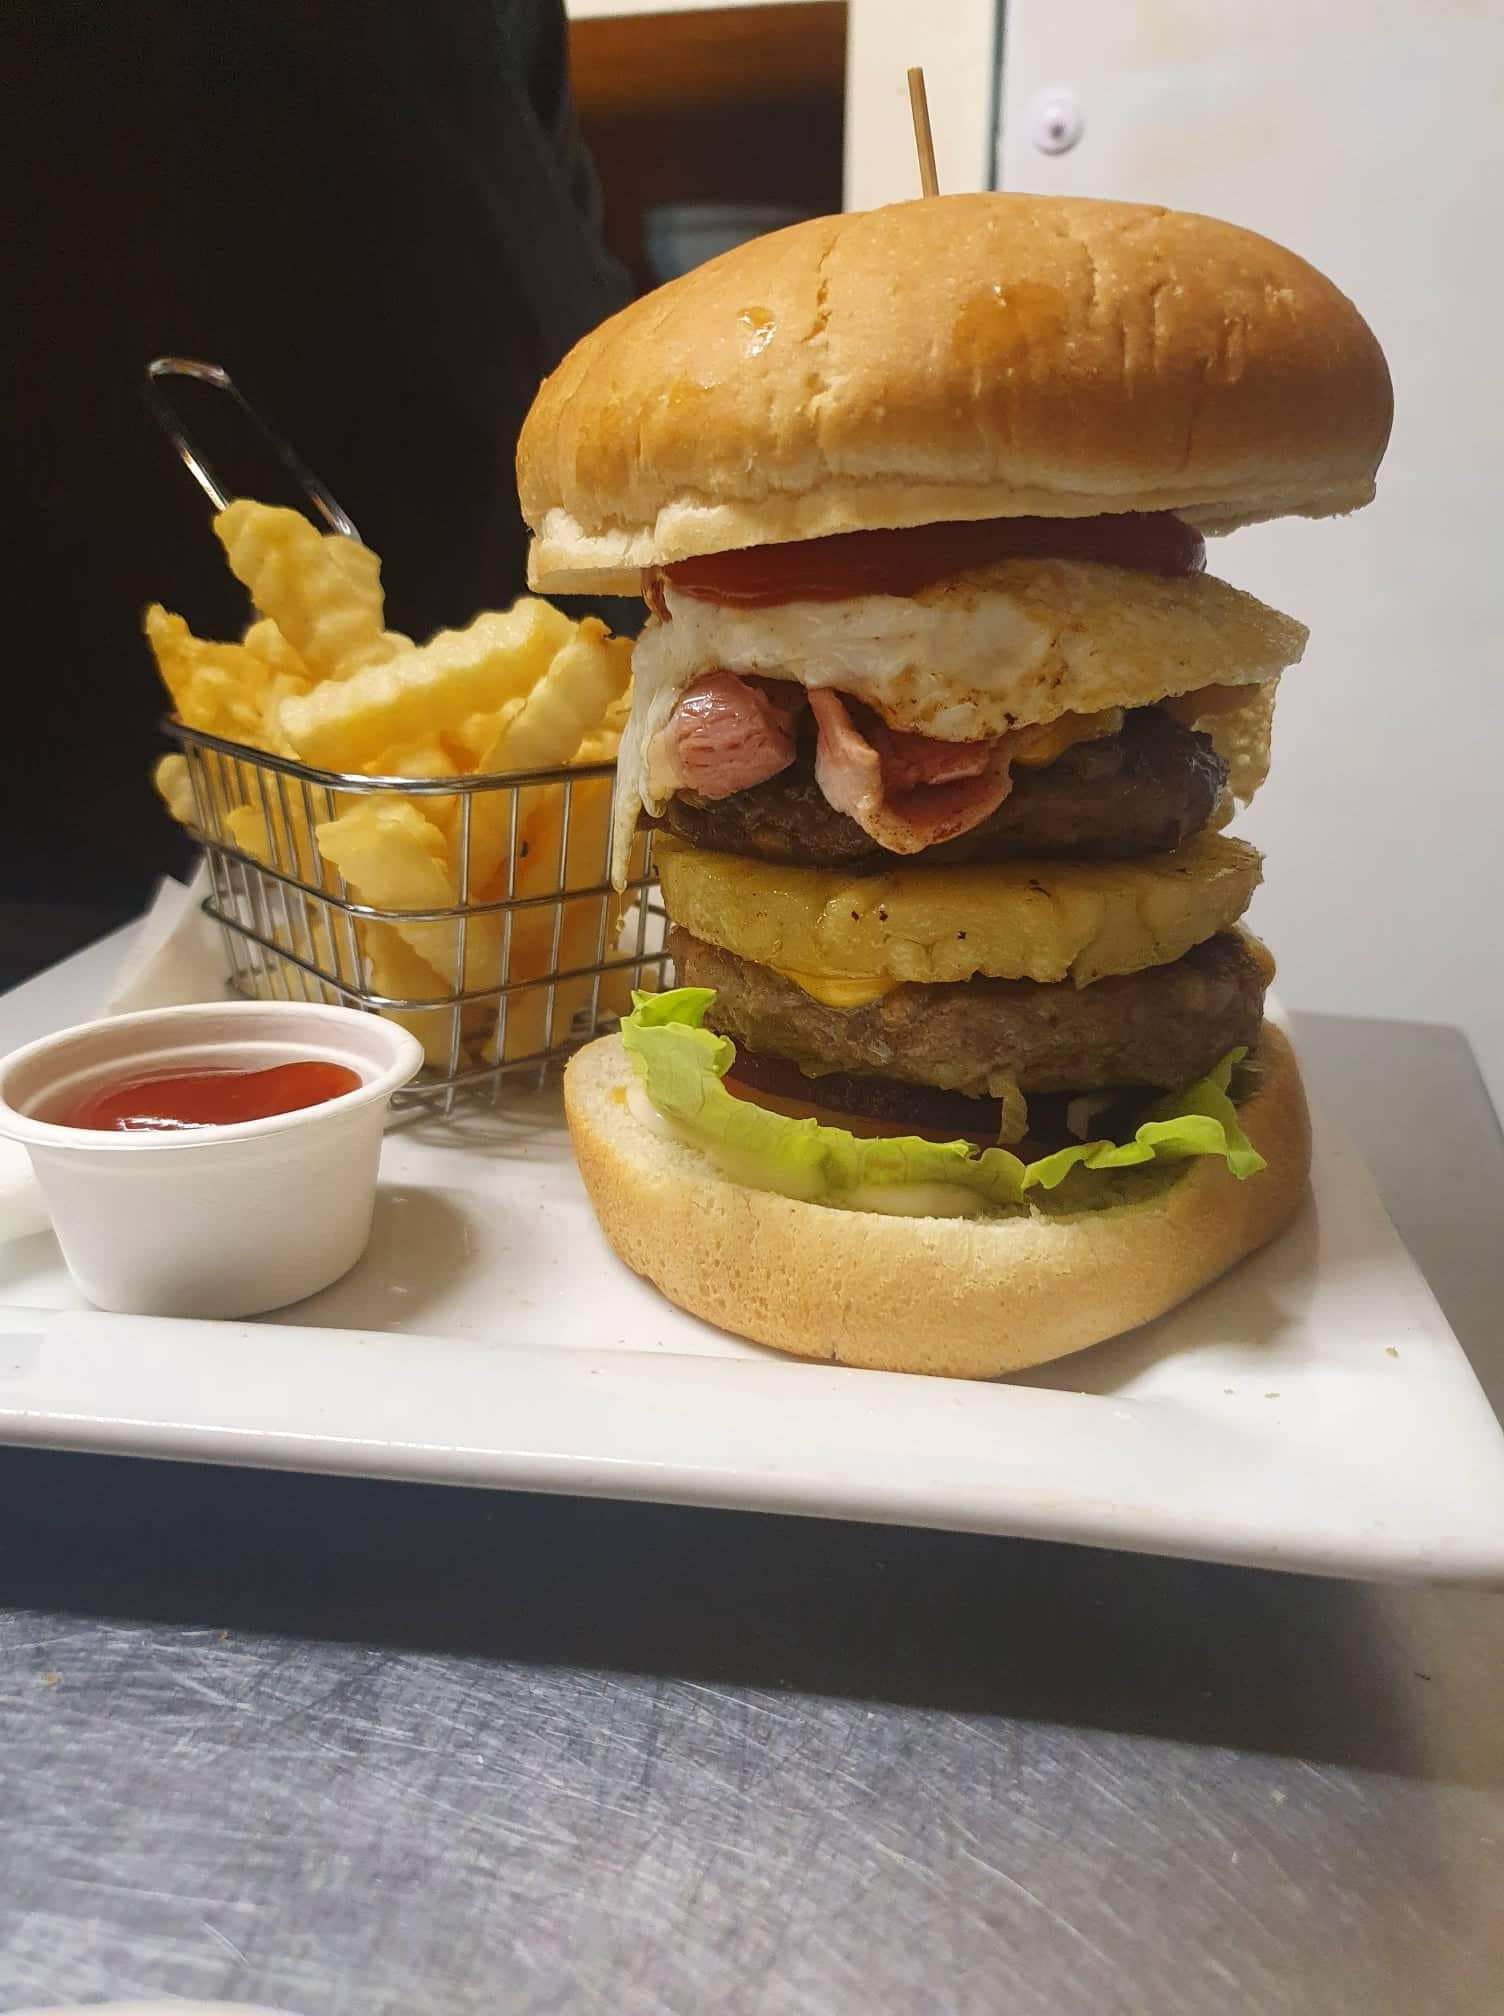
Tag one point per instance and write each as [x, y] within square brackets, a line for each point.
[725, 735]
[907, 791]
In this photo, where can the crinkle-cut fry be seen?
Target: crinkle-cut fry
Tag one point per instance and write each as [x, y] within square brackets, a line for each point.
[296, 923]
[396, 860]
[393, 968]
[245, 829]
[215, 688]
[538, 869]
[431, 689]
[528, 1027]
[263, 831]
[601, 747]
[524, 1034]
[536, 812]
[172, 645]
[175, 788]
[323, 592]
[266, 642]
[390, 644]
[528, 962]
[389, 845]
[583, 678]
[547, 865]
[568, 702]
[469, 742]
[217, 701]
[426, 759]
[528, 945]
[281, 686]
[286, 675]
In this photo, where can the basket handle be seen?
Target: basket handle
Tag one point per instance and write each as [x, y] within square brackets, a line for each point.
[161, 369]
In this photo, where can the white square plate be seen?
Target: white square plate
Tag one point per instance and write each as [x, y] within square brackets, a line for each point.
[1311, 1411]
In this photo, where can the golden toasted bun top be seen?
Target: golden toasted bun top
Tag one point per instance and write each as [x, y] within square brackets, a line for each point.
[956, 357]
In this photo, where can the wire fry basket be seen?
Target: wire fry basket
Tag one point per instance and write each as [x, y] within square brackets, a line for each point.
[535, 953]
[502, 946]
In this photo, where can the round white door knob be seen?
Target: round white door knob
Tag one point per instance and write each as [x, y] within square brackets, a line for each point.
[1054, 116]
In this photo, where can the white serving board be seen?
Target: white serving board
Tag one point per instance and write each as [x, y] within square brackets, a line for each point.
[1311, 1411]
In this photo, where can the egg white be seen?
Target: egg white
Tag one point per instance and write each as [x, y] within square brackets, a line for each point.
[1000, 647]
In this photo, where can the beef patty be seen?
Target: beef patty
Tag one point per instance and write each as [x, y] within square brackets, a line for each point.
[1161, 1028]
[1145, 790]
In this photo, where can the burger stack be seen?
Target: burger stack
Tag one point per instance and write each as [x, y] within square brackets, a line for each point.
[941, 721]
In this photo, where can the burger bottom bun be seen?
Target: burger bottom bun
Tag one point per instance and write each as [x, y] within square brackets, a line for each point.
[962, 1298]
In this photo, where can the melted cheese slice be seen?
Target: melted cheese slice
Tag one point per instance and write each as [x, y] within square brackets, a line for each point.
[838, 990]
[1037, 748]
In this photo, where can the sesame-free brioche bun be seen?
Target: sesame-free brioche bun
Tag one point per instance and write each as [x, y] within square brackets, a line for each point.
[957, 357]
[966, 1298]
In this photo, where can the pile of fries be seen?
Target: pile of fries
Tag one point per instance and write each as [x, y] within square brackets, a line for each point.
[318, 678]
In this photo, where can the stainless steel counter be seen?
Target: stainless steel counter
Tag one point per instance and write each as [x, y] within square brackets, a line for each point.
[336, 1746]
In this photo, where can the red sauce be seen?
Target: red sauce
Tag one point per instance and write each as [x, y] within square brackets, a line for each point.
[172, 1102]
[903, 562]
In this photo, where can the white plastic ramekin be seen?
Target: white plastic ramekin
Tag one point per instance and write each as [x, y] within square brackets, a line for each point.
[220, 1221]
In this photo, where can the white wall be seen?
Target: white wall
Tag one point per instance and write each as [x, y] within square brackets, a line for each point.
[1369, 136]
[955, 43]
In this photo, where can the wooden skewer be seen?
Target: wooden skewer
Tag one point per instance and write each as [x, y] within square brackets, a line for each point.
[924, 139]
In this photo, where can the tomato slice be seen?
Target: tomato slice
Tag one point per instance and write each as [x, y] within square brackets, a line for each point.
[902, 562]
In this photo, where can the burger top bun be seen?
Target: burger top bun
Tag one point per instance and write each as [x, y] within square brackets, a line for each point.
[956, 357]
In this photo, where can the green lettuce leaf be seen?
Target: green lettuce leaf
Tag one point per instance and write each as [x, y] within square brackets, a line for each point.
[681, 1064]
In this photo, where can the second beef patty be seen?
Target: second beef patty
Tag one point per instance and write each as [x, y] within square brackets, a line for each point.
[1162, 1027]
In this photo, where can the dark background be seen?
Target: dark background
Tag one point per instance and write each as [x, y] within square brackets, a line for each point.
[379, 218]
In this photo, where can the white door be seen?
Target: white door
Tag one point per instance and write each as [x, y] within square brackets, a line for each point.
[1368, 135]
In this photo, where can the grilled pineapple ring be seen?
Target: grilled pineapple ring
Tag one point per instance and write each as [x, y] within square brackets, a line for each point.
[1041, 920]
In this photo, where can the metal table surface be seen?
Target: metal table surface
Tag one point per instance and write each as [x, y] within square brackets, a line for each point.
[335, 1746]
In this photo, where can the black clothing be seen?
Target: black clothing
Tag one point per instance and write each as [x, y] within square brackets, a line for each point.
[378, 216]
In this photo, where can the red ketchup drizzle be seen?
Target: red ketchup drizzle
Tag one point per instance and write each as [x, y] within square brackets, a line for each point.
[177, 1102]
[902, 562]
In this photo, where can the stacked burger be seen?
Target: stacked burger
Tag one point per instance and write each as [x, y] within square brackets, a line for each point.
[941, 721]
